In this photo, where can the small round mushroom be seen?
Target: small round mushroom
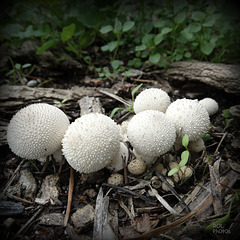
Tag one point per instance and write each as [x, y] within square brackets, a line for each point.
[91, 142]
[151, 133]
[36, 131]
[197, 145]
[189, 117]
[210, 105]
[151, 99]
[115, 179]
[137, 166]
[117, 163]
[164, 185]
[185, 173]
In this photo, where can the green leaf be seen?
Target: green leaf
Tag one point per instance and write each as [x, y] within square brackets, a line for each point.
[135, 90]
[106, 29]
[46, 46]
[18, 66]
[185, 141]
[117, 26]
[26, 65]
[194, 27]
[166, 30]
[206, 137]
[226, 113]
[173, 171]
[158, 39]
[180, 17]
[186, 34]
[140, 47]
[184, 158]
[160, 23]
[187, 54]
[136, 62]
[114, 111]
[115, 64]
[109, 47]
[128, 25]
[198, 15]
[146, 27]
[67, 32]
[207, 47]
[155, 58]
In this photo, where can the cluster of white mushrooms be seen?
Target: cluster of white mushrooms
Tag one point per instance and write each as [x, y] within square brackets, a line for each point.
[95, 141]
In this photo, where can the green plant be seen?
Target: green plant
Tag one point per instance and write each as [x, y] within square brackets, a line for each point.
[184, 156]
[227, 116]
[61, 103]
[130, 109]
[17, 70]
[118, 29]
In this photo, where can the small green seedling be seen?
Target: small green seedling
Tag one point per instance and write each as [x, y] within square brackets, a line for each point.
[184, 156]
[227, 116]
[224, 219]
[61, 103]
[17, 70]
[130, 109]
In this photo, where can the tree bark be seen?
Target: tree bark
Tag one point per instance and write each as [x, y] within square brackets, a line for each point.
[222, 76]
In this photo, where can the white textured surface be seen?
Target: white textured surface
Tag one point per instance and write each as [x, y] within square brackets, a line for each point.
[210, 105]
[189, 117]
[91, 142]
[151, 99]
[36, 131]
[151, 133]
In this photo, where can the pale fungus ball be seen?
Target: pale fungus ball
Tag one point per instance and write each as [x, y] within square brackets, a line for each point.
[185, 172]
[36, 131]
[151, 133]
[137, 166]
[115, 179]
[210, 105]
[197, 145]
[91, 142]
[116, 163]
[189, 117]
[147, 159]
[151, 99]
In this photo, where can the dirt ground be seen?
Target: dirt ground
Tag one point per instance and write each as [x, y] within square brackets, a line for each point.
[34, 195]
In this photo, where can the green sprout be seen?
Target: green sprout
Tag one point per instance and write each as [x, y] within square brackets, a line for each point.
[184, 156]
[130, 109]
[61, 103]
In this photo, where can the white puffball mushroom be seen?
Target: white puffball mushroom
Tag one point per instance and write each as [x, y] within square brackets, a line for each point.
[197, 145]
[189, 117]
[115, 179]
[151, 133]
[91, 142]
[36, 131]
[210, 105]
[116, 163]
[123, 130]
[147, 159]
[137, 166]
[151, 99]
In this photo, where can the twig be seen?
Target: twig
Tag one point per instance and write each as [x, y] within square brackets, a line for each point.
[218, 146]
[12, 178]
[18, 198]
[130, 192]
[70, 193]
[27, 224]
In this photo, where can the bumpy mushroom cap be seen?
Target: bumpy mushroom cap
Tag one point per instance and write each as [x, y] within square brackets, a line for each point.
[210, 105]
[137, 166]
[116, 163]
[115, 179]
[151, 99]
[151, 133]
[91, 142]
[36, 131]
[189, 117]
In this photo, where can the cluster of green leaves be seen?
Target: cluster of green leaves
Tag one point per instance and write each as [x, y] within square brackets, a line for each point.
[184, 156]
[144, 32]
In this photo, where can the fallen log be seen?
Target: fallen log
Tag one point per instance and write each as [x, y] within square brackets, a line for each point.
[222, 76]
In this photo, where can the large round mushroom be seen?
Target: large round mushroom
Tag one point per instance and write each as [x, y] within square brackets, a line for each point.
[151, 99]
[151, 133]
[36, 131]
[91, 142]
[189, 117]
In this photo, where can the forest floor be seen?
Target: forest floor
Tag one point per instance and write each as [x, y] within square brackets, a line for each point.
[34, 195]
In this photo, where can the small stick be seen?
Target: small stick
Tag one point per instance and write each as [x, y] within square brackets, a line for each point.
[218, 146]
[70, 194]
